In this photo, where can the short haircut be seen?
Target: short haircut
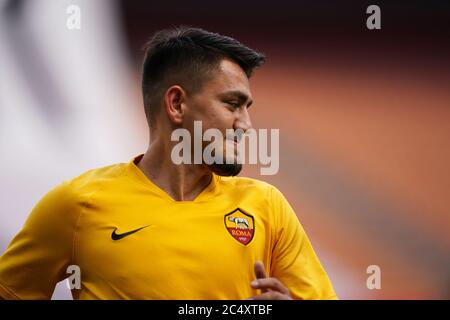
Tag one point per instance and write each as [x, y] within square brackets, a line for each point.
[187, 57]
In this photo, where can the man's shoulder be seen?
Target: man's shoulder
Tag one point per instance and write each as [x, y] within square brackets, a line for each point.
[246, 184]
[94, 179]
[250, 186]
[64, 200]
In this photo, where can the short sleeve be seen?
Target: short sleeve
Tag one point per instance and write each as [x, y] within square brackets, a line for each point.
[294, 261]
[38, 256]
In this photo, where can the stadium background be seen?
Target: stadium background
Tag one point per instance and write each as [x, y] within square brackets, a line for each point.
[363, 118]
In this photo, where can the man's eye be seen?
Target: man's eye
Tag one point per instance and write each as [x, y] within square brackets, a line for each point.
[233, 104]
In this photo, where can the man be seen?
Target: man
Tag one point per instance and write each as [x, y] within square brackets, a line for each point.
[153, 229]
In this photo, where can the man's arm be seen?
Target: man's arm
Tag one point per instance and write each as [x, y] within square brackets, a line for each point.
[296, 271]
[39, 254]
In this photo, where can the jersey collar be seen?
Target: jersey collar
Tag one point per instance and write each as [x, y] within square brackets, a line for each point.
[134, 172]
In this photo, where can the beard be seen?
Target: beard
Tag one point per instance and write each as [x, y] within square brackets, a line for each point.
[226, 170]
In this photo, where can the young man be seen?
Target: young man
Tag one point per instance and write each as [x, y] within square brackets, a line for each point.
[153, 229]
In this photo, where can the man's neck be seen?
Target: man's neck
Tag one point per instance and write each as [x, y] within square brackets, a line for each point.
[182, 182]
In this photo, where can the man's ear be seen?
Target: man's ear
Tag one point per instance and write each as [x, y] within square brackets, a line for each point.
[174, 97]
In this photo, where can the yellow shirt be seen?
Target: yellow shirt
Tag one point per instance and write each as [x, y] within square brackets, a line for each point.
[200, 249]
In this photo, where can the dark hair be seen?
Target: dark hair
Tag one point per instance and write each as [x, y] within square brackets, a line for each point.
[188, 56]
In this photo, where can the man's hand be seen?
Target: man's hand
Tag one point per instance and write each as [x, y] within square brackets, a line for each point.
[271, 288]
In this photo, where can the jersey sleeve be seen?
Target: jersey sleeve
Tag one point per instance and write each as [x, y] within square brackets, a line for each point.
[38, 256]
[294, 261]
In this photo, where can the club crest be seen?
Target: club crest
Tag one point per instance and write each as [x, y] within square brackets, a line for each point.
[240, 225]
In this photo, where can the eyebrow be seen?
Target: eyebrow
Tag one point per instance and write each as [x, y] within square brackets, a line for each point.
[237, 94]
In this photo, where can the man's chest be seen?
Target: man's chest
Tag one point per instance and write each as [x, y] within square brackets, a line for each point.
[154, 249]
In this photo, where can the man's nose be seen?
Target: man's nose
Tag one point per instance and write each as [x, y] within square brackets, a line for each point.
[243, 120]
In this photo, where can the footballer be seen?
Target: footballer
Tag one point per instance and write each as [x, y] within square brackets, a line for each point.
[153, 229]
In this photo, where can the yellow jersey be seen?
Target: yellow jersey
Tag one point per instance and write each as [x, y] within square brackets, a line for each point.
[131, 240]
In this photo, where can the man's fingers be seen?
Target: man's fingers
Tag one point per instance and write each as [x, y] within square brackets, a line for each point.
[269, 283]
[260, 271]
[271, 288]
[271, 295]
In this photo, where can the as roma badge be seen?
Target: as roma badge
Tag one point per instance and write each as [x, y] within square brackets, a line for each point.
[240, 225]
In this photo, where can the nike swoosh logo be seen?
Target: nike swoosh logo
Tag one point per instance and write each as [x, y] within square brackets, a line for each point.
[118, 236]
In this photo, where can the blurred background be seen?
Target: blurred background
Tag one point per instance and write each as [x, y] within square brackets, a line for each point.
[364, 118]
